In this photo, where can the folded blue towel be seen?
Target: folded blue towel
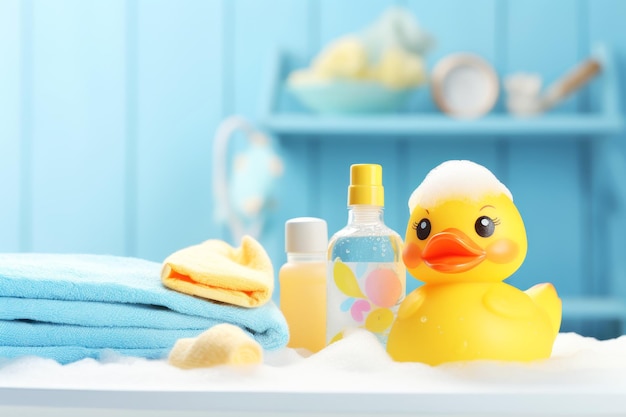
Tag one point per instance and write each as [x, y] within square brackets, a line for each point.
[68, 354]
[126, 315]
[66, 307]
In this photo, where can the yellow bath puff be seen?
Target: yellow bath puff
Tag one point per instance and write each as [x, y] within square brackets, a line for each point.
[464, 237]
[223, 344]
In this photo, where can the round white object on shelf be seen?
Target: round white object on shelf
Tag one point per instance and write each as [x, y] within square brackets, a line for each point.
[464, 85]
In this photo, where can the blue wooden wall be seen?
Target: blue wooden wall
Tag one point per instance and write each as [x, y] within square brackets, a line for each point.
[108, 110]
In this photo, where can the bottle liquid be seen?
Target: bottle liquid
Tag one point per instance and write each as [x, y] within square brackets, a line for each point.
[366, 275]
[303, 282]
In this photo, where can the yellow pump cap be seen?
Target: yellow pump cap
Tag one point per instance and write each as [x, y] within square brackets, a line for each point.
[366, 185]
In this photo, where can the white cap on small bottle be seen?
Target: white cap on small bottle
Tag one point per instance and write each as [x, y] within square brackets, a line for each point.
[306, 235]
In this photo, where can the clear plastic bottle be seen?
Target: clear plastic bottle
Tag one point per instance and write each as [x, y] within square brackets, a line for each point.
[366, 275]
[303, 282]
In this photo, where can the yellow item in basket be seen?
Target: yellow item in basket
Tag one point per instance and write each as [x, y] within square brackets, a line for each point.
[216, 271]
[223, 344]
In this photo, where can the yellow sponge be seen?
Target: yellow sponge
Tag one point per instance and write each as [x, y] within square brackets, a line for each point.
[223, 344]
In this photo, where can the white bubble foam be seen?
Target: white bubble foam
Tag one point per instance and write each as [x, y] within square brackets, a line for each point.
[454, 179]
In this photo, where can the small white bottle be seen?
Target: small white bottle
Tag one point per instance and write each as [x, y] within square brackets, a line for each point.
[303, 282]
[366, 275]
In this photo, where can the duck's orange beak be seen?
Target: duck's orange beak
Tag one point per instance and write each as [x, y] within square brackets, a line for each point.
[452, 251]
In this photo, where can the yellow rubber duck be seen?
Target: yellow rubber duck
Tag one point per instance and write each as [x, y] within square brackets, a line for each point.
[465, 236]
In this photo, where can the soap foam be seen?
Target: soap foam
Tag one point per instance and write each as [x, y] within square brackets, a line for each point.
[456, 179]
[356, 363]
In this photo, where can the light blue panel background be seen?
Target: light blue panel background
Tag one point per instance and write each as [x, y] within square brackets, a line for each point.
[473, 23]
[109, 108]
[10, 132]
[553, 212]
[530, 49]
[180, 96]
[340, 18]
[604, 15]
[297, 194]
[547, 181]
[77, 126]
[257, 34]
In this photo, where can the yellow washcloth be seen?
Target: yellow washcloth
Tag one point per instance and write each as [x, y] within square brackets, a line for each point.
[215, 270]
[223, 344]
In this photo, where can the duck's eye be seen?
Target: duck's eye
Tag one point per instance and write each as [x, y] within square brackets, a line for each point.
[422, 228]
[485, 226]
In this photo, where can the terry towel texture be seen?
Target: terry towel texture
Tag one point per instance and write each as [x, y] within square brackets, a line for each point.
[215, 270]
[67, 307]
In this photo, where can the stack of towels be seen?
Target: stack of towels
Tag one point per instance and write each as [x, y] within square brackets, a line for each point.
[69, 307]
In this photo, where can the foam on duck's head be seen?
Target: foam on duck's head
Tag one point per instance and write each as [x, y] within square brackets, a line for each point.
[454, 180]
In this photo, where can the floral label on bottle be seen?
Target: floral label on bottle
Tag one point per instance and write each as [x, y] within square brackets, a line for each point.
[363, 294]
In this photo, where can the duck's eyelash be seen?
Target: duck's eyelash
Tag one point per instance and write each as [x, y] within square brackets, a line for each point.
[415, 225]
[496, 221]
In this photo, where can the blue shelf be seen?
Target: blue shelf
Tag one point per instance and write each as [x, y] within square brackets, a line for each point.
[281, 116]
[440, 125]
